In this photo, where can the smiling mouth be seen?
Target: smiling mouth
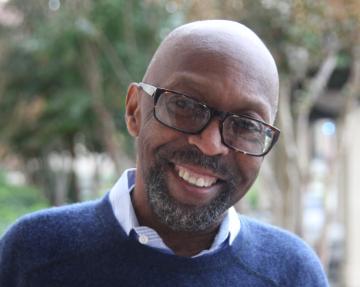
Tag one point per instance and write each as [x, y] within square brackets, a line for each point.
[195, 179]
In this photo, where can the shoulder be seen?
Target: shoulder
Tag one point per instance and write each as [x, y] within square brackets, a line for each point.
[279, 254]
[262, 234]
[55, 232]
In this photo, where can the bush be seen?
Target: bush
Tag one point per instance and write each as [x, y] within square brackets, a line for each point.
[16, 201]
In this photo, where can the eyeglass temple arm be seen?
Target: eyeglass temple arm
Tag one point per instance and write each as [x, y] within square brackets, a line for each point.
[149, 89]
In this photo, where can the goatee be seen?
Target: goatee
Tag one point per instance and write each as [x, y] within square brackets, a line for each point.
[179, 216]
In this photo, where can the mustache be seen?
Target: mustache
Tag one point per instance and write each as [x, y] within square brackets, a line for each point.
[192, 155]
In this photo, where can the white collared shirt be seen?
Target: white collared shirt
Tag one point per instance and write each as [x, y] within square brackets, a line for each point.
[124, 212]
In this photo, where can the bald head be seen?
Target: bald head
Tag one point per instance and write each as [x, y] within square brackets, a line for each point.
[216, 45]
[216, 88]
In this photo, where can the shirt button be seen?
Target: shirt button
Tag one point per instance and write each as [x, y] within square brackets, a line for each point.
[143, 239]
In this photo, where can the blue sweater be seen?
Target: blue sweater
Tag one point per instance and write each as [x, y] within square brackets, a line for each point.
[84, 245]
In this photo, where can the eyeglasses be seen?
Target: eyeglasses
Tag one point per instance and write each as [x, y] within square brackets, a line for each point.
[185, 114]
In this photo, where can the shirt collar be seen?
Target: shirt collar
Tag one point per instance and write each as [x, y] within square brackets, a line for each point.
[121, 202]
[124, 212]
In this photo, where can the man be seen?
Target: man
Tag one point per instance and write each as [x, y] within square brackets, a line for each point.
[202, 121]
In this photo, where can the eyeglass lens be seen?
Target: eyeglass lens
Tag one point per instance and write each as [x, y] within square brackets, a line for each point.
[181, 112]
[187, 115]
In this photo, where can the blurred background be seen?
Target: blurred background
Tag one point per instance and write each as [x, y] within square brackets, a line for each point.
[65, 68]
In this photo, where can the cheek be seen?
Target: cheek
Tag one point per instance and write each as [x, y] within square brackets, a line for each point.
[152, 136]
[147, 142]
[249, 168]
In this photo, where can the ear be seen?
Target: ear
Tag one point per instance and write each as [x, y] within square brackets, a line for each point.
[132, 112]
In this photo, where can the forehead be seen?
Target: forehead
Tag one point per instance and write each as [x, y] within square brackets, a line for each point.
[223, 82]
[226, 67]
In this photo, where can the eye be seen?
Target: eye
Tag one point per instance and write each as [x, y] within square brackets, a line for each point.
[183, 104]
[240, 125]
[179, 105]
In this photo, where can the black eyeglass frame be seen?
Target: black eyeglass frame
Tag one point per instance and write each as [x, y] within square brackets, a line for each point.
[156, 92]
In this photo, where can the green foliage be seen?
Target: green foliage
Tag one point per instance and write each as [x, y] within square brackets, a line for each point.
[61, 71]
[47, 100]
[46, 62]
[16, 201]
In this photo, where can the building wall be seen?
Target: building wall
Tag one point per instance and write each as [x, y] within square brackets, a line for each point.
[352, 202]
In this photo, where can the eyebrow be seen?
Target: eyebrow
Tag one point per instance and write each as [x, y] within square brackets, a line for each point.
[252, 103]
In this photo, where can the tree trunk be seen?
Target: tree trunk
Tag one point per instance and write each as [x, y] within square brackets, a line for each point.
[107, 127]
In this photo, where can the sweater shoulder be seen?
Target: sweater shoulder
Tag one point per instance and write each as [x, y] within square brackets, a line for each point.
[262, 234]
[283, 255]
[59, 231]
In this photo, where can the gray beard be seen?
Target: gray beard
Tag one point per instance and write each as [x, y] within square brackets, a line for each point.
[183, 217]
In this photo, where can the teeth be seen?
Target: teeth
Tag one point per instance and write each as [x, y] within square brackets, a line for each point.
[186, 176]
[200, 181]
[192, 180]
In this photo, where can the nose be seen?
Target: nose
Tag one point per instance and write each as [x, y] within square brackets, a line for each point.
[209, 140]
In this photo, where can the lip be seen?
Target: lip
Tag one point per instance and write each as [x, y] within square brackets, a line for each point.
[200, 170]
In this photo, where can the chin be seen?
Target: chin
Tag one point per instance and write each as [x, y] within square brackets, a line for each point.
[180, 216]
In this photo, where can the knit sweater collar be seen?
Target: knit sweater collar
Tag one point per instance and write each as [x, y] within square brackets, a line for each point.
[222, 257]
[124, 213]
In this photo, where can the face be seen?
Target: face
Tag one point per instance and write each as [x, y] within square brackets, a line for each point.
[189, 181]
